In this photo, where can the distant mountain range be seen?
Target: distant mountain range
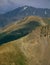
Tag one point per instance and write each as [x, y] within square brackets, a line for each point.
[22, 12]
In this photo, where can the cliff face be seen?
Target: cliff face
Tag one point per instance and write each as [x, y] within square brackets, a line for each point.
[32, 47]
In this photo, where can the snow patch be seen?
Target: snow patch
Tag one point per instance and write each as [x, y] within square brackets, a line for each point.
[25, 8]
[45, 12]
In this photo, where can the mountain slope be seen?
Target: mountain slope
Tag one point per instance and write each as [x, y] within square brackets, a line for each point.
[22, 12]
[34, 47]
[19, 23]
[30, 44]
[20, 29]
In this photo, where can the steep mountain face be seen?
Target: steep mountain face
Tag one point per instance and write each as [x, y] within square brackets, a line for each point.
[26, 42]
[22, 12]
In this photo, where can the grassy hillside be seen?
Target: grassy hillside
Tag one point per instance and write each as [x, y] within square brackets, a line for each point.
[11, 55]
[19, 29]
[26, 42]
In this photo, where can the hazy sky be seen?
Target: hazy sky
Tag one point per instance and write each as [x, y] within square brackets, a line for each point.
[6, 5]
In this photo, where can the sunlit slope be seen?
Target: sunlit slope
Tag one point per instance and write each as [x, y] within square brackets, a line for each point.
[20, 23]
[26, 42]
[20, 29]
[47, 20]
[11, 55]
[32, 49]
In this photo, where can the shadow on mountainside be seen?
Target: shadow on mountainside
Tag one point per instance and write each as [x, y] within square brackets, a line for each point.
[4, 37]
